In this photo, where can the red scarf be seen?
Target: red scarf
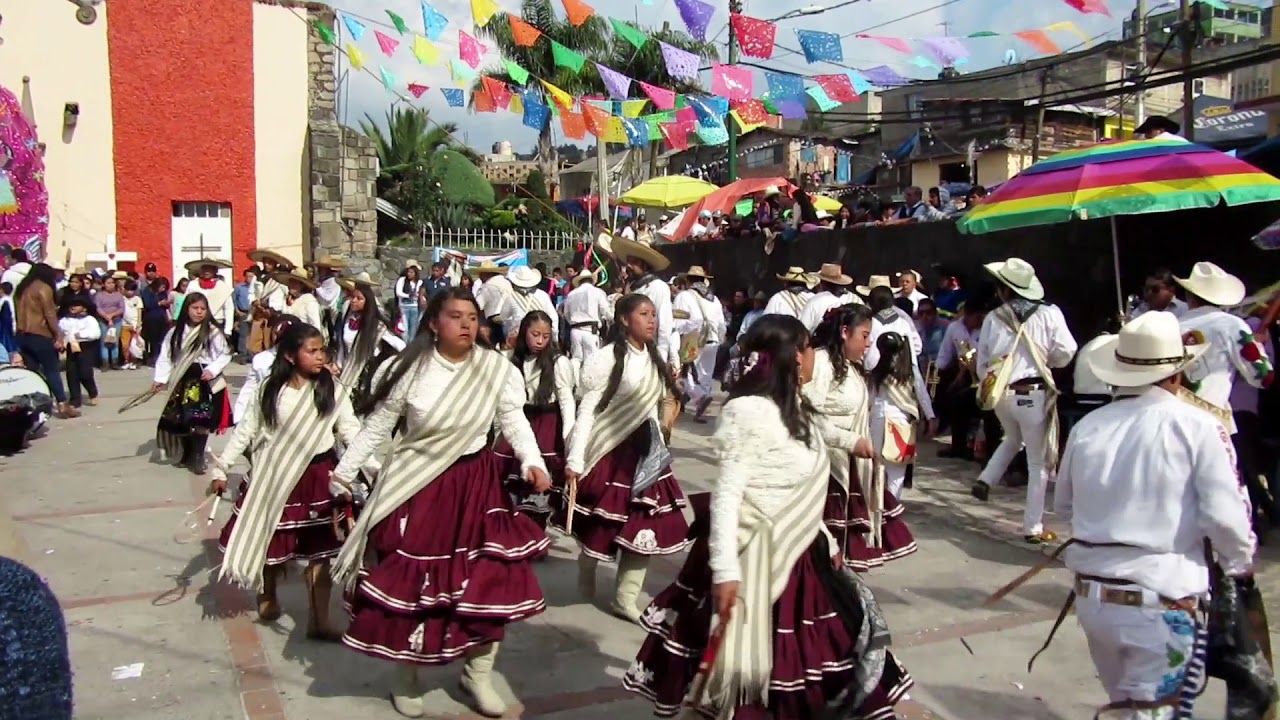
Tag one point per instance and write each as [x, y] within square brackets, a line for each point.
[208, 284]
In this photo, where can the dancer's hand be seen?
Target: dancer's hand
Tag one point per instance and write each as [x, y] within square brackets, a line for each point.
[206, 376]
[339, 488]
[931, 428]
[218, 485]
[863, 449]
[537, 477]
[571, 477]
[725, 594]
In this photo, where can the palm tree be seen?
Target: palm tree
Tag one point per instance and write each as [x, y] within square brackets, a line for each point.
[410, 139]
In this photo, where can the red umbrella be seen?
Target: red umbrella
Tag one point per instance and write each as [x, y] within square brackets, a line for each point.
[726, 197]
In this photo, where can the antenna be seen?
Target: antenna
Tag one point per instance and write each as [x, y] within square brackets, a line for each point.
[1010, 57]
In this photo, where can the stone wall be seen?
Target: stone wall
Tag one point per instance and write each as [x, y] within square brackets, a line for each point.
[342, 182]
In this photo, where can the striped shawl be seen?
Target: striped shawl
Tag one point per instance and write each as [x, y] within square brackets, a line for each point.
[624, 414]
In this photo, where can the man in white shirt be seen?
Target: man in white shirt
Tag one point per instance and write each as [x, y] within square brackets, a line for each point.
[1020, 345]
[586, 310]
[791, 299]
[703, 329]
[1144, 481]
[18, 268]
[1158, 294]
[628, 232]
[642, 262]
[956, 356]
[220, 293]
[833, 290]
[909, 288]
[492, 297]
[329, 293]
[524, 298]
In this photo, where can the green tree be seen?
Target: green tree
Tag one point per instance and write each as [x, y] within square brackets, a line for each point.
[410, 138]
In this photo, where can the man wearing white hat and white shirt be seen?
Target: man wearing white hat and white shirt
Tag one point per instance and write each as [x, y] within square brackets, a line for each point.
[833, 291]
[792, 298]
[1144, 481]
[704, 325]
[1020, 345]
[218, 293]
[526, 296]
[586, 309]
[890, 319]
[909, 288]
[1233, 350]
[492, 296]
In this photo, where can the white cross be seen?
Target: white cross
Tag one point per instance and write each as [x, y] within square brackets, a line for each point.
[111, 257]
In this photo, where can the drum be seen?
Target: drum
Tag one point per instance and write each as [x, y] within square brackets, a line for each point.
[25, 402]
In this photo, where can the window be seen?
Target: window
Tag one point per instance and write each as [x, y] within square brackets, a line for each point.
[201, 209]
[913, 105]
[765, 157]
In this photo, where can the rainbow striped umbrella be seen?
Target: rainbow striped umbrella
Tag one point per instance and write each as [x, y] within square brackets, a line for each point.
[1131, 177]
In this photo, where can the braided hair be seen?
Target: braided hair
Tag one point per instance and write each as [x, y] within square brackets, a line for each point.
[618, 336]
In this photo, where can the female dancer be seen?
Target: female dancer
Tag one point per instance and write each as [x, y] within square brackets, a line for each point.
[824, 643]
[365, 340]
[300, 302]
[452, 556]
[865, 518]
[898, 400]
[286, 512]
[549, 405]
[192, 357]
[623, 384]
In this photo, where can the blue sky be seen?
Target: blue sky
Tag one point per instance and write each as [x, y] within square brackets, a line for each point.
[364, 93]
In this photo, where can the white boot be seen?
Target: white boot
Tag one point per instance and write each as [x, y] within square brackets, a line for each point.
[477, 678]
[406, 693]
[587, 577]
[632, 568]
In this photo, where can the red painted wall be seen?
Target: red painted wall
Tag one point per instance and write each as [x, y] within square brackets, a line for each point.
[182, 105]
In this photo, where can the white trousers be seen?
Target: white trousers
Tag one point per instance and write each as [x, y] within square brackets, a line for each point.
[703, 384]
[582, 343]
[895, 475]
[1023, 415]
[1141, 653]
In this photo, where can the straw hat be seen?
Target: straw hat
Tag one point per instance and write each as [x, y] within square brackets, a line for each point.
[330, 262]
[1018, 275]
[1215, 285]
[831, 273]
[489, 267]
[697, 272]
[624, 249]
[195, 265]
[298, 275]
[1148, 349]
[524, 277]
[119, 275]
[771, 191]
[873, 282]
[262, 255]
[584, 276]
[360, 278]
[811, 280]
[794, 274]
[412, 264]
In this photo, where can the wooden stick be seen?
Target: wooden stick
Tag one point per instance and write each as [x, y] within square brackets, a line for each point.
[709, 657]
[572, 492]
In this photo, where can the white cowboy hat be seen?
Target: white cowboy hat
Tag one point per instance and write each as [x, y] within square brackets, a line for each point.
[823, 215]
[524, 276]
[625, 249]
[1148, 349]
[771, 191]
[264, 255]
[1213, 284]
[298, 275]
[412, 264]
[811, 280]
[697, 272]
[361, 278]
[330, 262]
[584, 276]
[914, 273]
[794, 274]
[489, 267]
[874, 282]
[1018, 275]
[195, 265]
[831, 273]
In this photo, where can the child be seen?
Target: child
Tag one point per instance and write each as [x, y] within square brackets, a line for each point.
[192, 357]
[82, 333]
[132, 324]
[362, 341]
[260, 368]
[8, 325]
[287, 513]
[898, 399]
[549, 405]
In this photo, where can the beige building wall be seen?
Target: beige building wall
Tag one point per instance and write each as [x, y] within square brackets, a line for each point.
[280, 107]
[994, 166]
[66, 62]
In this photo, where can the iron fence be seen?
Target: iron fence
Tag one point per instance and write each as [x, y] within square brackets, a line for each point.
[488, 239]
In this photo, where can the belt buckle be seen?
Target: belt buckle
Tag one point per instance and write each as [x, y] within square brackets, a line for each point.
[1128, 598]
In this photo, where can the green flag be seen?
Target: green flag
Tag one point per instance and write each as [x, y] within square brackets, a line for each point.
[398, 22]
[325, 32]
[564, 57]
[628, 33]
[769, 107]
[517, 73]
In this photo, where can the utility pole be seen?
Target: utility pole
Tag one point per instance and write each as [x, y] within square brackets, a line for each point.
[1140, 103]
[735, 6]
[1035, 140]
[602, 178]
[1190, 31]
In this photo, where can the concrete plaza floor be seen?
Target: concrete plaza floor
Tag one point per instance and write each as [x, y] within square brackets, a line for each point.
[87, 508]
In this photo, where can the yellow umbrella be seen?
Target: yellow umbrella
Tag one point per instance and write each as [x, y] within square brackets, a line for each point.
[668, 191]
[822, 202]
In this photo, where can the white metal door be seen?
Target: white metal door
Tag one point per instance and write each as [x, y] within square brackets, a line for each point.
[200, 229]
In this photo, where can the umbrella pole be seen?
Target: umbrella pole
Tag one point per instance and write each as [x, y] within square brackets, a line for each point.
[1115, 258]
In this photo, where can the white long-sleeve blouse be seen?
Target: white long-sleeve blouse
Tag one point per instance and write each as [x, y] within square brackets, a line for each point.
[844, 406]
[595, 377]
[214, 356]
[760, 462]
[251, 429]
[563, 390]
[419, 391]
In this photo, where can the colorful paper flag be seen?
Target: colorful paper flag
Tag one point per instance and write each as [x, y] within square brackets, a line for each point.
[921, 61]
[792, 110]
[536, 115]
[755, 37]
[860, 84]
[433, 23]
[618, 85]
[1068, 26]
[628, 33]
[573, 125]
[947, 49]
[820, 97]
[637, 132]
[564, 57]
[696, 15]
[481, 102]
[892, 43]
[615, 131]
[633, 108]
[523, 33]
[387, 43]
[744, 127]
[752, 112]
[462, 74]
[782, 86]
[518, 74]
[676, 135]
[713, 135]
[731, 81]
[497, 90]
[820, 46]
[662, 98]
[837, 87]
[470, 49]
[389, 80]
[578, 12]
[355, 56]
[325, 32]
[482, 11]
[1093, 6]
[354, 26]
[398, 22]
[417, 89]
[1039, 41]
[517, 105]
[680, 63]
[686, 114]
[426, 53]
[595, 118]
[884, 76]
[561, 98]
[454, 97]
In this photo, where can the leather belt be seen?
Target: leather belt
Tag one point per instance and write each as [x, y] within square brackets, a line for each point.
[1026, 385]
[1123, 592]
[592, 326]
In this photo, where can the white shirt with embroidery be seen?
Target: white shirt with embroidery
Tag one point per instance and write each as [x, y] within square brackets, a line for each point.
[1233, 353]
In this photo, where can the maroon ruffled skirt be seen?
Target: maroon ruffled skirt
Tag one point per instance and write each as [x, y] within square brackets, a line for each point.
[453, 569]
[607, 519]
[305, 530]
[847, 518]
[813, 648]
[548, 430]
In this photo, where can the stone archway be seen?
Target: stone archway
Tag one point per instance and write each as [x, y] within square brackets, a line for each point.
[24, 200]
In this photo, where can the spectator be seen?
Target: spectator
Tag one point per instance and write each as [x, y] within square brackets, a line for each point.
[438, 282]
[916, 209]
[932, 329]
[408, 288]
[18, 268]
[242, 296]
[132, 326]
[177, 297]
[109, 302]
[156, 318]
[39, 337]
[8, 327]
